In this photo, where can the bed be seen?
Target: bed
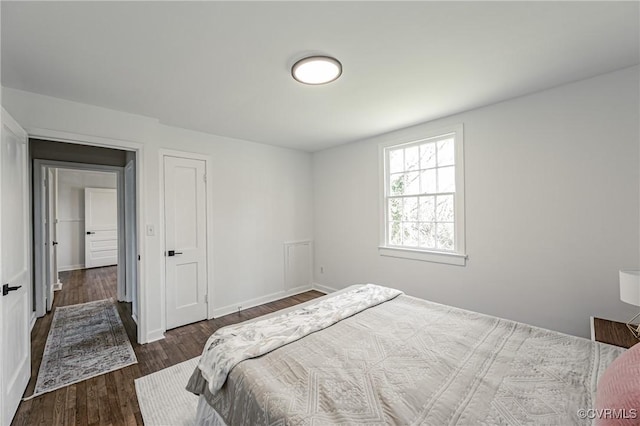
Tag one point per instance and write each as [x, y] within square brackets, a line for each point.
[403, 360]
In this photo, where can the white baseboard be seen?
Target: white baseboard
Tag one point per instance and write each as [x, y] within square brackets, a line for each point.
[158, 334]
[57, 286]
[323, 288]
[229, 309]
[154, 335]
[70, 268]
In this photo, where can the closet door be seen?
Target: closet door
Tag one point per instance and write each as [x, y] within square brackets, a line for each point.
[185, 200]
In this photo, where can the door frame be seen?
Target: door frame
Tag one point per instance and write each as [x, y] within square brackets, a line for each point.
[132, 241]
[208, 167]
[50, 231]
[138, 149]
[40, 168]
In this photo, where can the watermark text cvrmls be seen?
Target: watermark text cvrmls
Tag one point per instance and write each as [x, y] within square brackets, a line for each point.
[607, 413]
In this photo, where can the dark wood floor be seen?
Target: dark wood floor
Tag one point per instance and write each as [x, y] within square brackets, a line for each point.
[111, 399]
[613, 332]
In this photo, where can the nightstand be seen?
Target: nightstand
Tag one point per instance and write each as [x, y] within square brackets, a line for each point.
[612, 332]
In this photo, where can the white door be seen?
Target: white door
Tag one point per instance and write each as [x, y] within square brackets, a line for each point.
[15, 301]
[101, 227]
[185, 240]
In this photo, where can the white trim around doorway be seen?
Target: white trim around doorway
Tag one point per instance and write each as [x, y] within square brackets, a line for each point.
[138, 148]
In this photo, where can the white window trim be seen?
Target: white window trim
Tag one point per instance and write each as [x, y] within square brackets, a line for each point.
[458, 257]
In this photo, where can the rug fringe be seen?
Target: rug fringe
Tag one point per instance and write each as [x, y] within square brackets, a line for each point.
[30, 397]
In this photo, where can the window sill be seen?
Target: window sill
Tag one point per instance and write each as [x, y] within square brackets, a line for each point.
[423, 255]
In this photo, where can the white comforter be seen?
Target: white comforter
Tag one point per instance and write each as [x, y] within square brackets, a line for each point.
[230, 345]
[409, 361]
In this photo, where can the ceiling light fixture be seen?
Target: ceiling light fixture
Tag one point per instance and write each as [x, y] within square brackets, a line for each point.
[316, 70]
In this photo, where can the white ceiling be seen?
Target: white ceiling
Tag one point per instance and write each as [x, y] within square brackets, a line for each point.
[224, 67]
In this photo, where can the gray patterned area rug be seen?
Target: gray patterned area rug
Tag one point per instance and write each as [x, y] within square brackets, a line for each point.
[84, 341]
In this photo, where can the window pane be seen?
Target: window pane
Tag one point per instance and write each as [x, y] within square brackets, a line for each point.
[410, 234]
[445, 236]
[410, 209]
[445, 153]
[395, 209]
[396, 161]
[427, 211]
[395, 233]
[412, 183]
[427, 235]
[428, 181]
[412, 158]
[422, 193]
[396, 184]
[444, 208]
[428, 155]
[447, 179]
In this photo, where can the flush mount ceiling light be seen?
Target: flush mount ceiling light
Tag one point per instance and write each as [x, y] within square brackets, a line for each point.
[316, 70]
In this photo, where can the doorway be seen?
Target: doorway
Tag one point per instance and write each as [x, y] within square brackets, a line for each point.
[80, 212]
[85, 228]
[81, 220]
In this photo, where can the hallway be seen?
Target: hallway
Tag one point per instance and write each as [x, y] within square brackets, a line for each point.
[86, 285]
[79, 286]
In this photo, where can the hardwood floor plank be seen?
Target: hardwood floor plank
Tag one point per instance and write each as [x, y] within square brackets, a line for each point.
[81, 413]
[70, 405]
[115, 409]
[59, 406]
[111, 398]
[103, 400]
[47, 409]
[93, 413]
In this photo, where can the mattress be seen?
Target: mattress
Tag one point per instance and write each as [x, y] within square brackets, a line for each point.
[410, 361]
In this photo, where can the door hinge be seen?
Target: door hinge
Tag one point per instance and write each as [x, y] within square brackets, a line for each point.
[206, 298]
[205, 177]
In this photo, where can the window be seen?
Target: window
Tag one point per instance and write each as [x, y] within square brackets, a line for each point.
[423, 198]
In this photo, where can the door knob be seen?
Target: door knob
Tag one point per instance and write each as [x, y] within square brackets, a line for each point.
[173, 253]
[55, 243]
[6, 288]
[90, 232]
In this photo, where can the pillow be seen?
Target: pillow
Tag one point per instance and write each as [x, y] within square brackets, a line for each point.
[618, 394]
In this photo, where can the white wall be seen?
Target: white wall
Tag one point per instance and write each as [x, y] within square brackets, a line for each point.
[574, 148]
[262, 198]
[71, 185]
[552, 208]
